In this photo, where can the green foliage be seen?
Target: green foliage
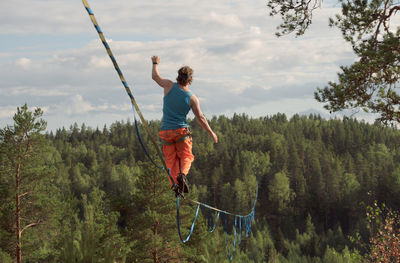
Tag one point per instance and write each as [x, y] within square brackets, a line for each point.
[152, 226]
[369, 83]
[96, 238]
[311, 173]
[260, 246]
[332, 256]
[5, 258]
[213, 249]
[280, 193]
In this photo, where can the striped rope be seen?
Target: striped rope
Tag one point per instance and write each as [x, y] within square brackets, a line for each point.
[127, 89]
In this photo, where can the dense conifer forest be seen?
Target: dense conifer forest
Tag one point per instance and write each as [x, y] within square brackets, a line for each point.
[326, 190]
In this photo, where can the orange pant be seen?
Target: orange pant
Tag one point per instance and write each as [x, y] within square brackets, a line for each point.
[175, 150]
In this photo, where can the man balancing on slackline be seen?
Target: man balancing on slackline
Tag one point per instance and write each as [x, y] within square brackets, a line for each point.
[174, 131]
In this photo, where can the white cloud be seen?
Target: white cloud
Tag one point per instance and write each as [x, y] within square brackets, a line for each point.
[255, 30]
[99, 62]
[228, 20]
[7, 112]
[123, 107]
[27, 17]
[34, 91]
[75, 105]
[24, 63]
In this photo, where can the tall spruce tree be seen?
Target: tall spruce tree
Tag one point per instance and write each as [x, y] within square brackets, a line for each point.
[22, 146]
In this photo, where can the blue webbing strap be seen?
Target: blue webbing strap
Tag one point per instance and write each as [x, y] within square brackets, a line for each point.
[240, 229]
[141, 141]
[230, 256]
[234, 240]
[178, 221]
[212, 226]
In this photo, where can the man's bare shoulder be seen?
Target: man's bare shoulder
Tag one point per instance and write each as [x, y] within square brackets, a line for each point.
[193, 100]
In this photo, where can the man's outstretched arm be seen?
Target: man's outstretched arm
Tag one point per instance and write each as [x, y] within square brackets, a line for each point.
[155, 75]
[201, 119]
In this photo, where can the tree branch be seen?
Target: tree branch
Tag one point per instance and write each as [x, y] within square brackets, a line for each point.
[31, 225]
[394, 9]
[22, 195]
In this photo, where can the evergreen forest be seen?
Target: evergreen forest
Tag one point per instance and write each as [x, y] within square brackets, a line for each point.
[328, 191]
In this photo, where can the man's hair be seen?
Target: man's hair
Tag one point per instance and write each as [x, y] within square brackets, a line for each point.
[185, 76]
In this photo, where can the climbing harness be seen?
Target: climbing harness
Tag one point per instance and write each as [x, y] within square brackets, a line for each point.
[247, 219]
[181, 139]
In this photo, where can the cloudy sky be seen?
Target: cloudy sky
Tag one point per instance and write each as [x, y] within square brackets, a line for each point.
[51, 57]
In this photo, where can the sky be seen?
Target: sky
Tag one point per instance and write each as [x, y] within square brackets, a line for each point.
[51, 57]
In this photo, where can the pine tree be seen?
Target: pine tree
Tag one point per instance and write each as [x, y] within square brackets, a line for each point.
[153, 225]
[370, 82]
[21, 149]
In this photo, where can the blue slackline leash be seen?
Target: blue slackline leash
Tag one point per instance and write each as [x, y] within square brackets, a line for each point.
[248, 221]
[212, 226]
[178, 221]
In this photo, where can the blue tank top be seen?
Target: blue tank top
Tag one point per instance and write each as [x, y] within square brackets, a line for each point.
[175, 108]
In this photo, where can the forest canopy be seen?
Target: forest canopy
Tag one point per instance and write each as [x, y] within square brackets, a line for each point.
[104, 201]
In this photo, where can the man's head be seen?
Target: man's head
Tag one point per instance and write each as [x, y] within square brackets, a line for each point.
[185, 76]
